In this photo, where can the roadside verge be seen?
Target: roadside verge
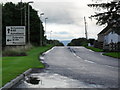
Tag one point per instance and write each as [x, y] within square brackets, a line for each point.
[110, 54]
[14, 66]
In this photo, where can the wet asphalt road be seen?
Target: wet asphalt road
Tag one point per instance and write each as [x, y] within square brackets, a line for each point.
[79, 63]
[74, 67]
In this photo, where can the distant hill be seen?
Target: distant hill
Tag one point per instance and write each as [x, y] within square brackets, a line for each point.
[65, 42]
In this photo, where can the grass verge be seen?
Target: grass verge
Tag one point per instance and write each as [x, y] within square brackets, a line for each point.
[113, 54]
[14, 66]
[94, 49]
[0, 71]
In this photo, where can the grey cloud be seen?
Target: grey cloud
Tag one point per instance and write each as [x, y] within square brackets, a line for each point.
[116, 0]
[56, 12]
[61, 33]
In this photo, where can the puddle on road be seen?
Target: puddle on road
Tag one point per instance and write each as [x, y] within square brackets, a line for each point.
[50, 80]
[32, 80]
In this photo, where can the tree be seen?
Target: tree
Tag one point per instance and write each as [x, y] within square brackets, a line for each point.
[12, 17]
[78, 42]
[8, 19]
[110, 17]
[55, 42]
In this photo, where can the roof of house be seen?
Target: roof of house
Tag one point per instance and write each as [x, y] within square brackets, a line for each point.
[105, 29]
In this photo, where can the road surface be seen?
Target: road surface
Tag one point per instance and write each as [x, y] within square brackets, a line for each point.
[78, 67]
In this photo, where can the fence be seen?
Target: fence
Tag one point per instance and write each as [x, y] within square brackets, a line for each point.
[107, 47]
[114, 46]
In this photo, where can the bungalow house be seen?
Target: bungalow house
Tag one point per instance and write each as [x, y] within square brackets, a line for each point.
[109, 38]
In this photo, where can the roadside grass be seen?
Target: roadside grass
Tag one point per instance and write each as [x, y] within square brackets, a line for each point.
[94, 49]
[113, 54]
[14, 66]
[0, 71]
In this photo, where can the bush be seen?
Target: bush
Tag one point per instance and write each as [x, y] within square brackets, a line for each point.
[13, 53]
[78, 42]
[16, 50]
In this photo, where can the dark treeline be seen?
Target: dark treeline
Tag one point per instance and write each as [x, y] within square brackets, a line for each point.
[81, 42]
[11, 16]
[55, 42]
[78, 42]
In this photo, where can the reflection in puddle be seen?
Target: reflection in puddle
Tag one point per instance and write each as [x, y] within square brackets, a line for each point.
[32, 80]
[50, 80]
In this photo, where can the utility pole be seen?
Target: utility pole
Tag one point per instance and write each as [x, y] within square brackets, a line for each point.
[28, 24]
[50, 34]
[45, 31]
[41, 29]
[21, 12]
[86, 34]
[29, 21]
[45, 24]
[25, 17]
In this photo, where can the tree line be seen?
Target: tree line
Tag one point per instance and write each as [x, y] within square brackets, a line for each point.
[17, 15]
[81, 42]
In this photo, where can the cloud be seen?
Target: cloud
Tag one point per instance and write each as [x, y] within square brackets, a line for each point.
[61, 32]
[60, 13]
[116, 0]
[65, 18]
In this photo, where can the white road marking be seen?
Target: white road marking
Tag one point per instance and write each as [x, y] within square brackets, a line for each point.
[111, 66]
[41, 57]
[49, 50]
[91, 51]
[89, 61]
[78, 47]
[76, 56]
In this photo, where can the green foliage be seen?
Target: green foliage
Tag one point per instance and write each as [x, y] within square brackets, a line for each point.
[91, 41]
[14, 66]
[12, 17]
[78, 42]
[94, 49]
[0, 71]
[113, 54]
[110, 17]
[55, 42]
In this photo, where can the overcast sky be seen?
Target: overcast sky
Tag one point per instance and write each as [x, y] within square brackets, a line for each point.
[66, 17]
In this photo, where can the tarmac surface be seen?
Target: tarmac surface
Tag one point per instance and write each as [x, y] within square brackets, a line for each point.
[75, 67]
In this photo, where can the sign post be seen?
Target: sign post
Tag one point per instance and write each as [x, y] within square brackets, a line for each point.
[15, 35]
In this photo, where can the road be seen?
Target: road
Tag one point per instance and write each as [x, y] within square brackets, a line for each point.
[83, 68]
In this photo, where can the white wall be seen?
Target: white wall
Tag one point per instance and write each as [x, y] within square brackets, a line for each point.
[112, 37]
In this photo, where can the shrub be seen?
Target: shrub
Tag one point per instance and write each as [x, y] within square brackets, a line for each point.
[16, 50]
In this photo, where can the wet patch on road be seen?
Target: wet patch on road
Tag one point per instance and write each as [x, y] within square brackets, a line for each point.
[47, 79]
[32, 80]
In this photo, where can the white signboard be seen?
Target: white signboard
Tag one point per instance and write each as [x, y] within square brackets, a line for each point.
[15, 35]
[15, 40]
